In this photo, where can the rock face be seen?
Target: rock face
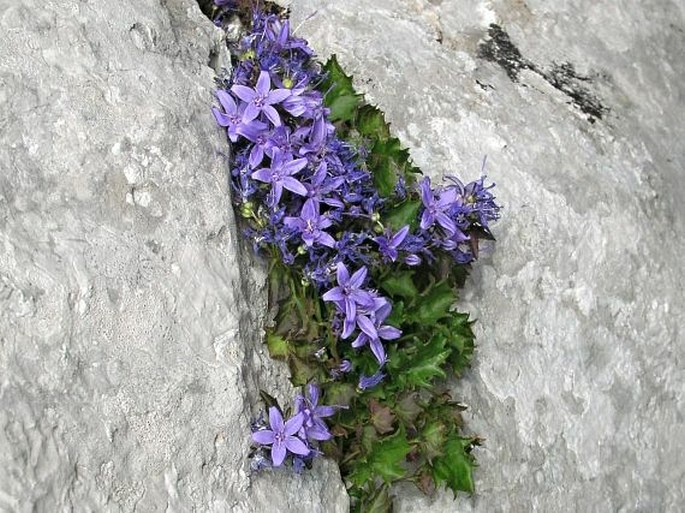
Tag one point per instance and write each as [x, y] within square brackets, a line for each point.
[130, 344]
[578, 383]
[130, 316]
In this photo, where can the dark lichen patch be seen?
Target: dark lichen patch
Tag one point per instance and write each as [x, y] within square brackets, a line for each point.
[497, 47]
[564, 78]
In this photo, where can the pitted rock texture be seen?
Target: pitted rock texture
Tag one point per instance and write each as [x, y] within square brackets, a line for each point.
[130, 319]
[579, 376]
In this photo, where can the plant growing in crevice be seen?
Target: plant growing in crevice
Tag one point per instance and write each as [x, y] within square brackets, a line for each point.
[365, 260]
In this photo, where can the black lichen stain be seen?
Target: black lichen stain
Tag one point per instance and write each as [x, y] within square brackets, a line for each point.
[498, 48]
[564, 78]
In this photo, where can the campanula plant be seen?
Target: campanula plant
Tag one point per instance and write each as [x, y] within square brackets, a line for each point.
[366, 257]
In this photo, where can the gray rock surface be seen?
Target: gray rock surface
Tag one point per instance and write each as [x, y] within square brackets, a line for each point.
[578, 382]
[130, 321]
[130, 316]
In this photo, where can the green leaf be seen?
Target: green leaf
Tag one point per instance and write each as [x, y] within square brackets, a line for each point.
[455, 467]
[401, 285]
[435, 304]
[371, 122]
[402, 215]
[343, 107]
[340, 95]
[407, 408]
[420, 367]
[433, 438]
[278, 346]
[384, 461]
[384, 177]
[379, 502]
[461, 339]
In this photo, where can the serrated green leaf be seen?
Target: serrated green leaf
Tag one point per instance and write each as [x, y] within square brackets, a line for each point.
[435, 304]
[384, 461]
[461, 339]
[403, 215]
[455, 467]
[433, 438]
[400, 284]
[337, 76]
[379, 502]
[407, 409]
[371, 123]
[384, 177]
[343, 107]
[340, 95]
[420, 368]
[278, 346]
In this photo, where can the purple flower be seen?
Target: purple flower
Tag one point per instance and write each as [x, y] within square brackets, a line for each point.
[261, 99]
[280, 436]
[435, 210]
[388, 245]
[279, 175]
[232, 117]
[370, 381]
[348, 294]
[320, 186]
[373, 329]
[311, 224]
[313, 427]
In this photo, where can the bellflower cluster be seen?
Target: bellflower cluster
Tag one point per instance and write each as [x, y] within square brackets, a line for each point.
[313, 203]
[296, 436]
[311, 195]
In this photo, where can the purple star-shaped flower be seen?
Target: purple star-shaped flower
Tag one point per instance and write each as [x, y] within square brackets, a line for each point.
[232, 117]
[311, 224]
[279, 175]
[261, 99]
[281, 436]
[348, 294]
[388, 245]
[320, 186]
[313, 426]
[375, 331]
[435, 209]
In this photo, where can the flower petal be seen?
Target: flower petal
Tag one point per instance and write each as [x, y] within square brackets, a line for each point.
[357, 279]
[326, 240]
[335, 294]
[263, 175]
[245, 93]
[263, 437]
[293, 185]
[227, 101]
[367, 327]
[277, 96]
[389, 332]
[277, 454]
[271, 114]
[378, 351]
[275, 420]
[221, 118]
[296, 446]
[294, 424]
[263, 83]
[294, 166]
[251, 112]
[342, 274]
